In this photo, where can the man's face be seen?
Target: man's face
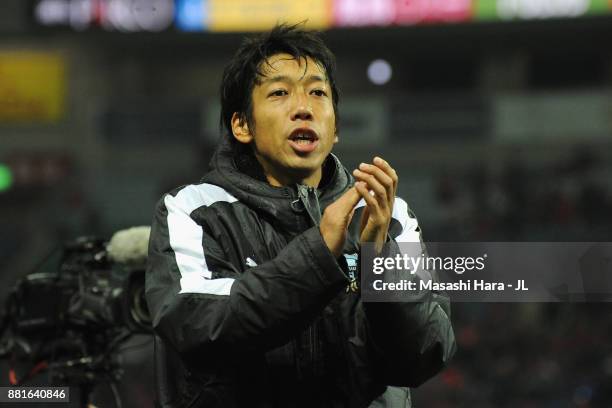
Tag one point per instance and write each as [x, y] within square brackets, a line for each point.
[294, 120]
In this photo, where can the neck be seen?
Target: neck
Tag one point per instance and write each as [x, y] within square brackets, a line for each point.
[282, 180]
[248, 162]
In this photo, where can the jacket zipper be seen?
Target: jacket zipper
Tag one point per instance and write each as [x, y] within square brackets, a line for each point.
[309, 200]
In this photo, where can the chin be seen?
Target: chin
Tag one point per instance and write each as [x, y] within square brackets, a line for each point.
[306, 168]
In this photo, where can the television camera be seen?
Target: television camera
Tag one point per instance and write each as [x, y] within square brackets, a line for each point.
[69, 318]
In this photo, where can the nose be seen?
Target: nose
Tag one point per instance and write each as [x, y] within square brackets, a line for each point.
[302, 109]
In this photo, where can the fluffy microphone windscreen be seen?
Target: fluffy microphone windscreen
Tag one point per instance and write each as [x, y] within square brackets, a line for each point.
[129, 245]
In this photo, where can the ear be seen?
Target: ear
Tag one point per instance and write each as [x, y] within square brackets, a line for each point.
[240, 129]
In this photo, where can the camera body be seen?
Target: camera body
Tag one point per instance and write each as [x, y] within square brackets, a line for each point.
[75, 310]
[82, 288]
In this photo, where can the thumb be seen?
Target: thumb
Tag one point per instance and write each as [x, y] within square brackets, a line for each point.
[349, 200]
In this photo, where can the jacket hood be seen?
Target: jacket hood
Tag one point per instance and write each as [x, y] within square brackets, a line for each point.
[238, 172]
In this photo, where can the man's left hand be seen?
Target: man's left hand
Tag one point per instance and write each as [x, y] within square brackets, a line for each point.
[377, 184]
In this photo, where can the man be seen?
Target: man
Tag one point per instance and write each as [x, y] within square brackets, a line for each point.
[248, 282]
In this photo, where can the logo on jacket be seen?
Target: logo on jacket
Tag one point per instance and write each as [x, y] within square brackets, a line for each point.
[351, 262]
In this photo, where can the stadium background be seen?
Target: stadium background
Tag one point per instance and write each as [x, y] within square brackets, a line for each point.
[497, 116]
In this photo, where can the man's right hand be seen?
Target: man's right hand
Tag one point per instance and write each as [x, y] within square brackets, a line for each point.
[336, 218]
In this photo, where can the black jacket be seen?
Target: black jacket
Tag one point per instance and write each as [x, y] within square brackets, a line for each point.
[254, 310]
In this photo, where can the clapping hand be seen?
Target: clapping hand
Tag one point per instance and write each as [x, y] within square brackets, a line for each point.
[377, 185]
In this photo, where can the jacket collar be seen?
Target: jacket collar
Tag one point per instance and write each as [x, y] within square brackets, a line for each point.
[235, 169]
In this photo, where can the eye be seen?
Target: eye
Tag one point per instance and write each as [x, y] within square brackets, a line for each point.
[318, 92]
[278, 92]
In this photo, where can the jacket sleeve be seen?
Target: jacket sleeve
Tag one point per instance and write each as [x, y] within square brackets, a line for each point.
[200, 303]
[413, 339]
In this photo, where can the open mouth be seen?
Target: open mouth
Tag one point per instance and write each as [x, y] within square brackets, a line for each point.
[303, 136]
[303, 141]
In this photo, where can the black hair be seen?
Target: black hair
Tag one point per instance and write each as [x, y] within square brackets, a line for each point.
[245, 69]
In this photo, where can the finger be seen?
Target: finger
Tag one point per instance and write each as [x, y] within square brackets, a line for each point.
[389, 171]
[381, 176]
[348, 200]
[365, 215]
[375, 190]
[371, 201]
[377, 172]
[373, 184]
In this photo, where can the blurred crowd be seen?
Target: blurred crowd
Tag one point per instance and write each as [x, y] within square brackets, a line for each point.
[548, 355]
[529, 354]
[568, 200]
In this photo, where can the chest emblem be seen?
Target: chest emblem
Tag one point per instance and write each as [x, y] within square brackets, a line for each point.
[351, 262]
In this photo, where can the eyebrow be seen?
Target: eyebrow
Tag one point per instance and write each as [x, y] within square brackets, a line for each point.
[285, 78]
